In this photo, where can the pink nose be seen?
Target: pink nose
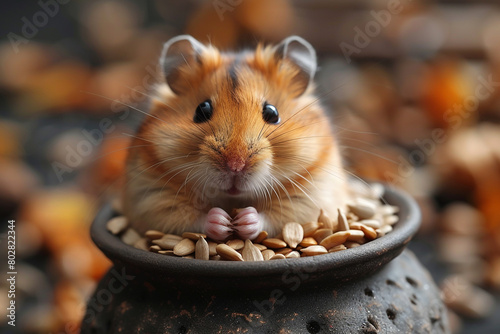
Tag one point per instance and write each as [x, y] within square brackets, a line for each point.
[236, 164]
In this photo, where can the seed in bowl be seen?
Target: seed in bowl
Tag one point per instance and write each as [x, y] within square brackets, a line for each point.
[366, 220]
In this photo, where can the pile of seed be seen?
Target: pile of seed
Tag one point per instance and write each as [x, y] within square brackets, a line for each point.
[365, 220]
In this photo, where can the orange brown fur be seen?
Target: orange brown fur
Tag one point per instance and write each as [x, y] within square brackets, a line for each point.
[174, 165]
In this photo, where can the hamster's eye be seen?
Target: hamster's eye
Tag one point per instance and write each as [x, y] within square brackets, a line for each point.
[270, 114]
[203, 112]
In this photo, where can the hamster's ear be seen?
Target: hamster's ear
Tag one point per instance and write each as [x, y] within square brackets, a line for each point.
[302, 55]
[180, 50]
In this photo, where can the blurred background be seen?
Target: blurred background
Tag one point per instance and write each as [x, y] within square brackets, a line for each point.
[413, 86]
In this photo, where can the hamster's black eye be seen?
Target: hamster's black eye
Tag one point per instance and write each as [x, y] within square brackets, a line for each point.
[270, 114]
[203, 112]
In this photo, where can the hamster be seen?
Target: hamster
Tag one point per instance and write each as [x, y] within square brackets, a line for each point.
[235, 143]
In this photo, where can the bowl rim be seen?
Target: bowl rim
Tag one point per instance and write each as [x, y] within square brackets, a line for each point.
[383, 249]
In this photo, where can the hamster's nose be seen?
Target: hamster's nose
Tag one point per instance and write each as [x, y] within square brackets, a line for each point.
[235, 164]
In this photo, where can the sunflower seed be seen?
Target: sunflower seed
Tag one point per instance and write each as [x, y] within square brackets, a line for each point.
[193, 236]
[153, 235]
[391, 220]
[356, 236]
[369, 232]
[155, 248]
[236, 244]
[228, 253]
[260, 247]
[167, 252]
[351, 244]
[337, 248]
[335, 239]
[371, 223]
[172, 236]
[342, 221]
[274, 243]
[166, 242]
[310, 228]
[251, 253]
[293, 255]
[387, 210]
[184, 247]
[383, 230]
[202, 250]
[377, 190]
[268, 254]
[283, 251]
[117, 225]
[327, 222]
[363, 208]
[142, 243]
[322, 234]
[211, 246]
[351, 217]
[262, 235]
[355, 226]
[278, 257]
[130, 236]
[308, 241]
[314, 250]
[293, 233]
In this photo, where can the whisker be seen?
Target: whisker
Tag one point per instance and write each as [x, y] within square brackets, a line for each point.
[359, 141]
[127, 105]
[295, 158]
[278, 182]
[277, 196]
[118, 150]
[355, 131]
[145, 192]
[297, 138]
[183, 184]
[165, 104]
[154, 142]
[372, 153]
[322, 96]
[335, 174]
[302, 177]
[300, 187]
[296, 128]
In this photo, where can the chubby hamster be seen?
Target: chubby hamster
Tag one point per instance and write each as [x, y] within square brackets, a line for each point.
[235, 143]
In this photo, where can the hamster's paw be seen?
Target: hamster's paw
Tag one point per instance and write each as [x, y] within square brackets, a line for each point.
[218, 224]
[248, 223]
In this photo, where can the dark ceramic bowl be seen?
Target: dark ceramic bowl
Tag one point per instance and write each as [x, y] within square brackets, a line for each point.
[339, 267]
[358, 290]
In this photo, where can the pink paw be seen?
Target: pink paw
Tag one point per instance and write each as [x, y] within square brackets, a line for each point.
[247, 223]
[218, 224]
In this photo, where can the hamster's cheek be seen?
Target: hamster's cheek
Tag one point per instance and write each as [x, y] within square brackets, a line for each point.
[259, 175]
[165, 146]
